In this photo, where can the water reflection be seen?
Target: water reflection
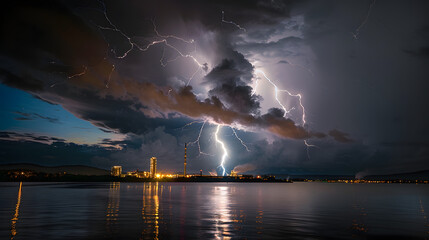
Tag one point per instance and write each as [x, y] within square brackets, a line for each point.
[221, 212]
[422, 211]
[358, 222]
[213, 211]
[150, 210]
[14, 220]
[112, 212]
[260, 214]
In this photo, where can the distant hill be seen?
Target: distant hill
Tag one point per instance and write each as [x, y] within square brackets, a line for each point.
[420, 175]
[69, 169]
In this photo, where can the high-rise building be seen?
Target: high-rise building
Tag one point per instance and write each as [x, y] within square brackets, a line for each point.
[184, 171]
[153, 167]
[116, 171]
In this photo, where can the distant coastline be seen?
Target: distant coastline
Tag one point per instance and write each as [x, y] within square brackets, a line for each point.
[81, 173]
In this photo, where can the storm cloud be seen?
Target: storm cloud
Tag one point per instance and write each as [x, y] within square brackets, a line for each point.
[124, 77]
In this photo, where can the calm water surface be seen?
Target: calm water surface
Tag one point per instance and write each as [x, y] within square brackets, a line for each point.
[213, 211]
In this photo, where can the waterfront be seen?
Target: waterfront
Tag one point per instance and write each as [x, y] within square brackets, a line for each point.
[213, 211]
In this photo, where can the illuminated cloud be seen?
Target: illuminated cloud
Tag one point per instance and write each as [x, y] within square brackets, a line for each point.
[57, 52]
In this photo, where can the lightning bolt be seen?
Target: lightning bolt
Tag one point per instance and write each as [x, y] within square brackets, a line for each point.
[277, 90]
[110, 76]
[116, 29]
[85, 68]
[163, 40]
[308, 146]
[197, 141]
[241, 141]
[231, 22]
[225, 152]
[256, 86]
[355, 34]
[170, 36]
[193, 75]
[299, 96]
[191, 123]
[161, 60]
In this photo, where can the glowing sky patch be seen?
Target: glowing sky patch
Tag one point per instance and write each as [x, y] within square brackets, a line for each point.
[65, 126]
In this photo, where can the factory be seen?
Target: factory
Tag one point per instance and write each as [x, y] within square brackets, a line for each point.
[116, 171]
[153, 172]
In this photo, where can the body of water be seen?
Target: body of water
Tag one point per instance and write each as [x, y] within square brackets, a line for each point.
[213, 211]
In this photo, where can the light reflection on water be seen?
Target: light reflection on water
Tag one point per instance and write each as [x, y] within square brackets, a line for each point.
[13, 231]
[112, 212]
[213, 211]
[150, 209]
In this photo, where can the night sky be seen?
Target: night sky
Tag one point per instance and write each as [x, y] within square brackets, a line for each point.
[293, 87]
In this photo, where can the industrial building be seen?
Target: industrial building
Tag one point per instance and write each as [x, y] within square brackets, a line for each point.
[116, 171]
[152, 167]
[138, 174]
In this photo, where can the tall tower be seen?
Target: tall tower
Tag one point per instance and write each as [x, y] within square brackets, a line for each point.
[116, 171]
[184, 171]
[152, 167]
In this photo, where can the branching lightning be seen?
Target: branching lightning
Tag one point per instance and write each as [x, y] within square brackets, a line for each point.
[355, 34]
[277, 90]
[225, 152]
[308, 146]
[163, 40]
[188, 124]
[193, 75]
[299, 96]
[231, 22]
[85, 68]
[197, 141]
[170, 36]
[239, 139]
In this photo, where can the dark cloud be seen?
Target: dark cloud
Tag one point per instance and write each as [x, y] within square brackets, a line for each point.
[32, 116]
[22, 119]
[87, 97]
[340, 136]
[39, 33]
[229, 81]
[49, 119]
[28, 137]
[284, 47]
[55, 154]
[369, 87]
[22, 81]
[238, 98]
[23, 114]
[231, 71]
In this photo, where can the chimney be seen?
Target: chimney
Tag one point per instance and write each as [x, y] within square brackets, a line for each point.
[184, 171]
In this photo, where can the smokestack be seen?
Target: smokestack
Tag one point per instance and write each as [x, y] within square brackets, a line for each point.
[184, 171]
